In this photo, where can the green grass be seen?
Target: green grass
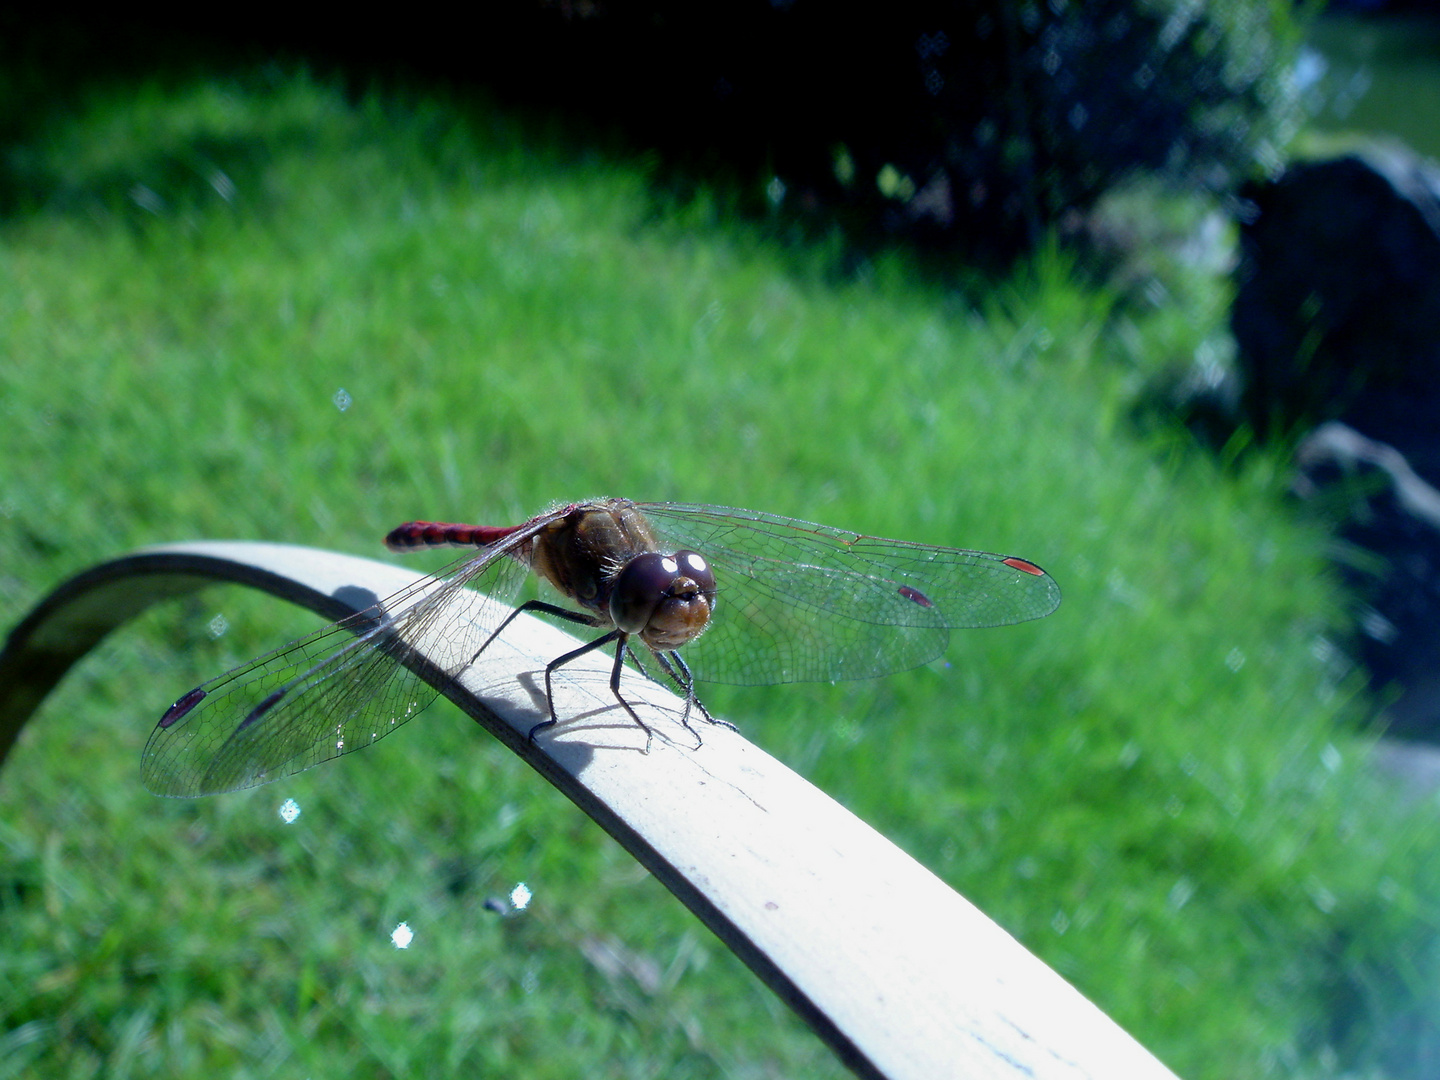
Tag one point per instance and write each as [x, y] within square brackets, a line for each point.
[1149, 788]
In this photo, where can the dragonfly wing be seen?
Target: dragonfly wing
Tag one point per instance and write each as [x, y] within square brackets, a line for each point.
[800, 602]
[337, 690]
[283, 715]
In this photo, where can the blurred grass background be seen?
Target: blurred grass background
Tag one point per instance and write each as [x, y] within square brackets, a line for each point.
[1162, 790]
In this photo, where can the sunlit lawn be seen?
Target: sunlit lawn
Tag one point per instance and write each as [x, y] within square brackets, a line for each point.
[1149, 788]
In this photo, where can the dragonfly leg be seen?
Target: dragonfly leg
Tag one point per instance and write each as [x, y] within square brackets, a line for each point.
[544, 609]
[615, 689]
[614, 635]
[680, 675]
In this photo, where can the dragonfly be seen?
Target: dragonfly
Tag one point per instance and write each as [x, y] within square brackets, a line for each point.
[751, 598]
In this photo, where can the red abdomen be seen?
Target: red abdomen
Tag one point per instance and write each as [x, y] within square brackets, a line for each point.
[414, 535]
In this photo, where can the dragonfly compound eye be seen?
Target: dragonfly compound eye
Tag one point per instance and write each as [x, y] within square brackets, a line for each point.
[639, 588]
[666, 599]
[685, 608]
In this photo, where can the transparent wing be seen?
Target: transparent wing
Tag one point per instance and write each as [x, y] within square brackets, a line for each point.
[799, 602]
[329, 693]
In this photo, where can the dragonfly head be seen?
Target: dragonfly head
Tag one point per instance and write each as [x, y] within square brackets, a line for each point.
[666, 599]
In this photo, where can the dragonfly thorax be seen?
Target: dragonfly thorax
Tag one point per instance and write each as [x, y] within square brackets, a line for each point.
[605, 557]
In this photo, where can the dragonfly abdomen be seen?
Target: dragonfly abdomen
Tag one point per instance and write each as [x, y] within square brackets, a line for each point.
[414, 535]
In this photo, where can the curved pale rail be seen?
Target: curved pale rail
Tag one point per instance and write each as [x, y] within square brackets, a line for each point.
[902, 976]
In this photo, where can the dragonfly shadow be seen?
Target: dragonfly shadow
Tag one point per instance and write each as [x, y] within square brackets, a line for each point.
[522, 718]
[363, 609]
[533, 683]
[609, 713]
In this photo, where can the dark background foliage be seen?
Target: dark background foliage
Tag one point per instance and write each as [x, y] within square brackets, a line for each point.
[970, 128]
